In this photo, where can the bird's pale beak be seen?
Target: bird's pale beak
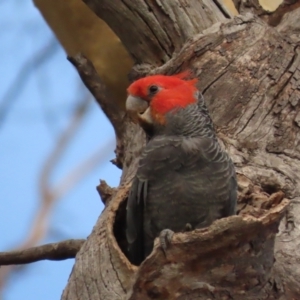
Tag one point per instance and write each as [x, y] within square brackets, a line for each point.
[138, 109]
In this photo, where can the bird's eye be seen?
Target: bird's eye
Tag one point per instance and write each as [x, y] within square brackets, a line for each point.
[153, 89]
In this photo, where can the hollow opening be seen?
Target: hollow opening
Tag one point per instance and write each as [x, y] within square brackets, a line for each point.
[270, 188]
[256, 200]
[120, 227]
[253, 200]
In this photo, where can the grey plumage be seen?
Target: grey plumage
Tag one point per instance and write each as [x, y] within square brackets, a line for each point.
[184, 177]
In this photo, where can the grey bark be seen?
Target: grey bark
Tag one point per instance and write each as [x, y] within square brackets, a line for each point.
[249, 74]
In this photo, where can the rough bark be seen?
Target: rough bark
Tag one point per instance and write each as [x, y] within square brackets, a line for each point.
[250, 76]
[152, 30]
[270, 11]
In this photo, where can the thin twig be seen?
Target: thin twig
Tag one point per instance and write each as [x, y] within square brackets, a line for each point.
[55, 251]
[93, 82]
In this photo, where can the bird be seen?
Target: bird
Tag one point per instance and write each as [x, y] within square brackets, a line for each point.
[185, 180]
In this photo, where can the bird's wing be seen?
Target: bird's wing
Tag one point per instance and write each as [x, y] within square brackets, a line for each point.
[158, 153]
[178, 159]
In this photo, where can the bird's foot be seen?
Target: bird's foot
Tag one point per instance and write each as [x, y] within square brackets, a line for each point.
[165, 238]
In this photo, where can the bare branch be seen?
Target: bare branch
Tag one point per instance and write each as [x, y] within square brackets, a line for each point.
[98, 89]
[290, 25]
[55, 251]
[270, 11]
[153, 37]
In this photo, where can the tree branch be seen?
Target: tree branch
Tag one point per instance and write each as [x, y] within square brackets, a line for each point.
[55, 251]
[290, 25]
[93, 82]
[270, 11]
[152, 30]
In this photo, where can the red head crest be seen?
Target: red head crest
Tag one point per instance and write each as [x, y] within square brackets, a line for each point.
[164, 93]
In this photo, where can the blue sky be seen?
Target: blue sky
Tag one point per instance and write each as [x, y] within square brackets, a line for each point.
[36, 103]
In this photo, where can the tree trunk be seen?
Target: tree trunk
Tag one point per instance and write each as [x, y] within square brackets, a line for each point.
[249, 73]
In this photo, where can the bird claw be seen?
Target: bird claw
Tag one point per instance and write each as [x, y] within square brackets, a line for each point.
[165, 238]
